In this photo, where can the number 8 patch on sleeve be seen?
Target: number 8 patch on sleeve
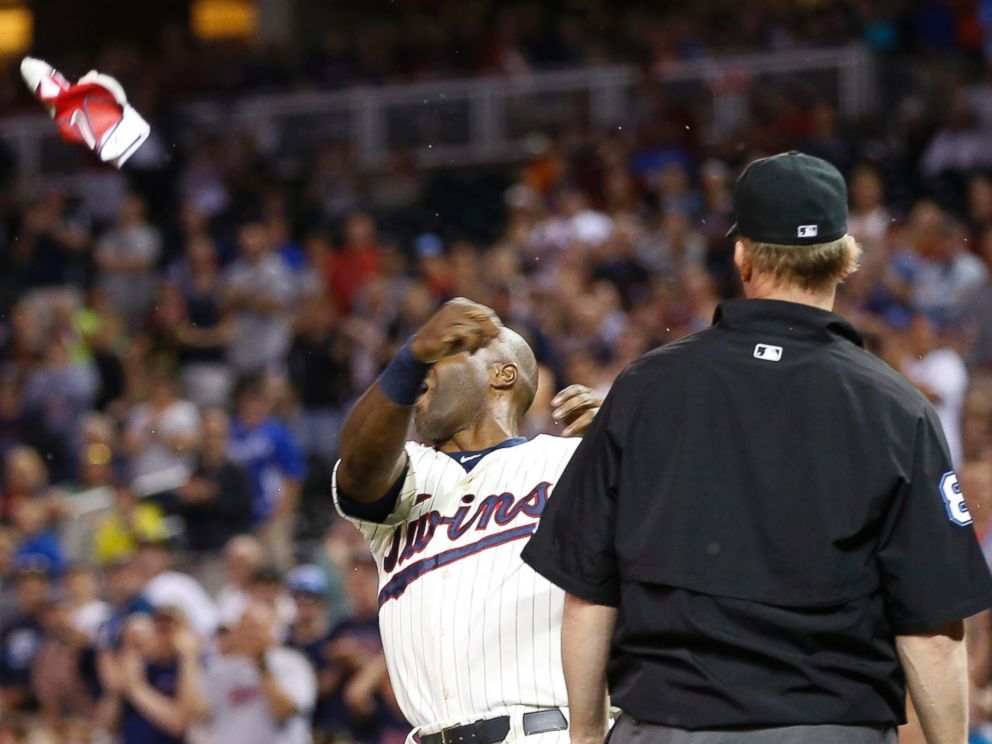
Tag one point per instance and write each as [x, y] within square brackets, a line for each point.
[957, 508]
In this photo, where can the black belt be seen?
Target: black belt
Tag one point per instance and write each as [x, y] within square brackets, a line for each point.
[492, 730]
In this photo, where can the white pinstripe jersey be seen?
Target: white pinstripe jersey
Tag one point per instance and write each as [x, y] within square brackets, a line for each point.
[468, 629]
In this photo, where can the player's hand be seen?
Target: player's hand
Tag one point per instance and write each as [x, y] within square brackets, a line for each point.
[575, 407]
[460, 325]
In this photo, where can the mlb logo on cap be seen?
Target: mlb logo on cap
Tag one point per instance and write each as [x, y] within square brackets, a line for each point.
[807, 231]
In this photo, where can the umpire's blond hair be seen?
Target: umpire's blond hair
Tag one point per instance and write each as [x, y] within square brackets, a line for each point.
[813, 267]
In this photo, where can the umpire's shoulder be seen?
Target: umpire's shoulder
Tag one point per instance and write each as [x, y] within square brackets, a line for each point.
[668, 358]
[878, 381]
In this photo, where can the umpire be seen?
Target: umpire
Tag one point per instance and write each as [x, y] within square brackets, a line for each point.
[762, 538]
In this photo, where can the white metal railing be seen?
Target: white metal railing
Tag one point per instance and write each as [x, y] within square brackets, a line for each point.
[484, 119]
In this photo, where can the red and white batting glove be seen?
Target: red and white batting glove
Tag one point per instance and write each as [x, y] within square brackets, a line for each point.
[93, 112]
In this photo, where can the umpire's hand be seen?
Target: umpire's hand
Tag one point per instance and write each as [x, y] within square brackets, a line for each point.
[575, 407]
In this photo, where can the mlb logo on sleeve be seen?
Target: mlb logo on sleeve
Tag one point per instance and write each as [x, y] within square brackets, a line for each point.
[807, 231]
[768, 352]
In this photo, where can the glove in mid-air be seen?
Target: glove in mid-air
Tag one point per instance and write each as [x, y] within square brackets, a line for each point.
[93, 112]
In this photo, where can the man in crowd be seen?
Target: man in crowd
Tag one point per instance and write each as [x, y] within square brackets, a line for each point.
[166, 587]
[21, 640]
[275, 465]
[216, 502]
[260, 692]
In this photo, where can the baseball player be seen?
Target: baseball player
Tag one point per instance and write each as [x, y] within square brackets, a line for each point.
[471, 635]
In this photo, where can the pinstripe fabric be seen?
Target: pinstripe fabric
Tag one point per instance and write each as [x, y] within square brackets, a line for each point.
[468, 629]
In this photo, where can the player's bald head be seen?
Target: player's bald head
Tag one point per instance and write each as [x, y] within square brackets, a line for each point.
[497, 380]
[510, 348]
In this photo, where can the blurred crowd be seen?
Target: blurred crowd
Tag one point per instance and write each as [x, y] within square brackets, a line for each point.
[349, 43]
[180, 343]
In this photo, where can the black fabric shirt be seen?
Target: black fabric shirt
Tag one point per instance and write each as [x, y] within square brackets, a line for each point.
[768, 505]
[211, 524]
[318, 371]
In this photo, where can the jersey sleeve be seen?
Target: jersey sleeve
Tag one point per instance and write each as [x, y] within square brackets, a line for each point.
[930, 563]
[574, 543]
[403, 494]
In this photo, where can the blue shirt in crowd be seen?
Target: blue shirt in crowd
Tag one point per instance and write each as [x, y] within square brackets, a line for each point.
[135, 728]
[41, 551]
[270, 454]
[19, 645]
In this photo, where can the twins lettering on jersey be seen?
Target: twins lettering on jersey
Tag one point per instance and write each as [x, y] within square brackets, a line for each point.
[415, 536]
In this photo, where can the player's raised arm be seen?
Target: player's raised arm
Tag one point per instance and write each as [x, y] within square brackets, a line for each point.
[372, 456]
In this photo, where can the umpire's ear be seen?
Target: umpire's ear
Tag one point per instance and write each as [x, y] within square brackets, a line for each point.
[742, 260]
[505, 375]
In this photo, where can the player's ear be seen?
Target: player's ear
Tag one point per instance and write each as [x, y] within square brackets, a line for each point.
[505, 376]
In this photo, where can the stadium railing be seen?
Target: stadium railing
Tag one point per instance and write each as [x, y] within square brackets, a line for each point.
[490, 119]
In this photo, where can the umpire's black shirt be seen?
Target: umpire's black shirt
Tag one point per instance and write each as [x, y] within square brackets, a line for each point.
[768, 505]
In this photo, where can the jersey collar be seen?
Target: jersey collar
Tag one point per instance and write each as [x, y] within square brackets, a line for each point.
[469, 459]
[782, 318]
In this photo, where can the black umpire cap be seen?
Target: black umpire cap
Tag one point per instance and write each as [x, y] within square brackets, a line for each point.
[790, 199]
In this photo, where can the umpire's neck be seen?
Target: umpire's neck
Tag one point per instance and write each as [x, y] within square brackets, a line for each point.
[766, 290]
[760, 285]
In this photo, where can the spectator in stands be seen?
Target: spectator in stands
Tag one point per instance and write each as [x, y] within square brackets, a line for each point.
[128, 522]
[270, 454]
[38, 544]
[101, 330]
[259, 291]
[433, 266]
[359, 707]
[216, 502]
[356, 262]
[979, 207]
[318, 370]
[205, 330]
[124, 583]
[150, 681]
[201, 184]
[125, 256]
[958, 146]
[937, 370]
[165, 587]
[25, 479]
[56, 675]
[52, 244]
[18, 427]
[869, 219]
[261, 692]
[99, 462]
[61, 390]
[20, 641]
[976, 484]
[163, 432]
[309, 634]
[243, 556]
[267, 587]
[947, 275]
[86, 611]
